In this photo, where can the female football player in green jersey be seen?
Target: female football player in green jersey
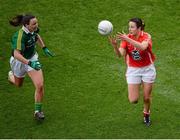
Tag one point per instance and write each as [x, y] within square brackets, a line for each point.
[24, 58]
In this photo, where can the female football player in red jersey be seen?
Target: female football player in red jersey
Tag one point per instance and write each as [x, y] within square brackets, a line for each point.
[136, 47]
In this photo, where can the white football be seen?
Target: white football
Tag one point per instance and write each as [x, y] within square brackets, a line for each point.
[105, 27]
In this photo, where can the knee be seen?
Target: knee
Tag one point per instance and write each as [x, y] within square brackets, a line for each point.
[18, 85]
[147, 99]
[40, 87]
[133, 101]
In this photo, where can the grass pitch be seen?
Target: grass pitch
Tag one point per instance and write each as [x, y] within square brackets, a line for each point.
[85, 86]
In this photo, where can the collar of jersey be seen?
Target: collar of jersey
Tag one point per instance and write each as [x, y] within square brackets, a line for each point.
[26, 30]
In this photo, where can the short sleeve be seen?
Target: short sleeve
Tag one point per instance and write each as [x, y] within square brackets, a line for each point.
[148, 39]
[123, 44]
[18, 41]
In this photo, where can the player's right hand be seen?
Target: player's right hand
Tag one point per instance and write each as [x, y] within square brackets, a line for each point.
[113, 40]
[35, 65]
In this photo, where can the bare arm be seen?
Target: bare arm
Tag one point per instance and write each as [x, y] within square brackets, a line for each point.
[42, 45]
[40, 42]
[119, 51]
[122, 51]
[143, 45]
[34, 64]
[18, 56]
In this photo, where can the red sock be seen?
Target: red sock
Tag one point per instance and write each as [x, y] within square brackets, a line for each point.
[146, 114]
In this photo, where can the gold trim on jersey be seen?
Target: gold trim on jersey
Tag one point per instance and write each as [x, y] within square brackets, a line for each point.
[19, 39]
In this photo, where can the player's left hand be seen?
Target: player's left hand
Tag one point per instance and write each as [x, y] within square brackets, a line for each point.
[47, 52]
[122, 36]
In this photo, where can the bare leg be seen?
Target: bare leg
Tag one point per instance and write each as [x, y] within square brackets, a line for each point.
[147, 89]
[18, 81]
[38, 81]
[133, 90]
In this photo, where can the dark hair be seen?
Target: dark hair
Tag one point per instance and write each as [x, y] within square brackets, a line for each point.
[21, 20]
[139, 23]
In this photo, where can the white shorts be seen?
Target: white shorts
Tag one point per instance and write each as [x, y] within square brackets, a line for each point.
[20, 69]
[137, 75]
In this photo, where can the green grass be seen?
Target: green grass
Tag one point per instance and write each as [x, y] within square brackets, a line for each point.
[85, 86]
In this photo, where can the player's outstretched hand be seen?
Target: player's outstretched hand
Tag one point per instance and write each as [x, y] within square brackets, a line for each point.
[47, 52]
[122, 35]
[112, 40]
[35, 65]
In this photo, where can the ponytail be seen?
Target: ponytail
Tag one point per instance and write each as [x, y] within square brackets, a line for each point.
[142, 26]
[21, 20]
[16, 21]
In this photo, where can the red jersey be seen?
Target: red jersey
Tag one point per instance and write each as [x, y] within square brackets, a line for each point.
[136, 57]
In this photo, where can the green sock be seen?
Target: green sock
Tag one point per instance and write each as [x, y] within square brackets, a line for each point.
[38, 107]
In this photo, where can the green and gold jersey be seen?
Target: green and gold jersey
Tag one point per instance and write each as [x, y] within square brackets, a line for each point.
[25, 42]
